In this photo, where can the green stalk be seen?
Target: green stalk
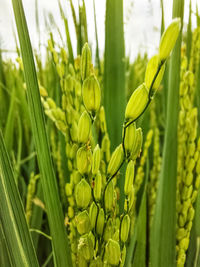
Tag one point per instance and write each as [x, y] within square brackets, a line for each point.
[163, 239]
[50, 190]
[13, 222]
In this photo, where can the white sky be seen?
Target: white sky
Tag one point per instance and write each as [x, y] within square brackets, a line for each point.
[142, 23]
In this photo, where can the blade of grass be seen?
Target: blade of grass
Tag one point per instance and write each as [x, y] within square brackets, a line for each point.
[69, 43]
[97, 42]
[162, 18]
[80, 40]
[195, 234]
[163, 241]
[3, 97]
[189, 34]
[37, 214]
[14, 225]
[84, 22]
[4, 256]
[8, 134]
[197, 16]
[76, 25]
[166, 74]
[114, 75]
[141, 252]
[50, 190]
[137, 253]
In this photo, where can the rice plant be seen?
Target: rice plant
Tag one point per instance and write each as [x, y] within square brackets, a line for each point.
[100, 163]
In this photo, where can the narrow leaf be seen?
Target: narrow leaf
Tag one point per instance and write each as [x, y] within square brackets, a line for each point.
[14, 225]
[50, 190]
[163, 241]
[114, 76]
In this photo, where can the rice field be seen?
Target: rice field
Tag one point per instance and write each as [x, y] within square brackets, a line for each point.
[100, 155]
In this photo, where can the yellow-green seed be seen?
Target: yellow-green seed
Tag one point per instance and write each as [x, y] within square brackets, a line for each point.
[85, 247]
[83, 160]
[169, 38]
[98, 186]
[137, 103]
[115, 161]
[93, 214]
[151, 70]
[96, 158]
[109, 197]
[130, 138]
[83, 222]
[84, 126]
[113, 252]
[125, 226]
[130, 170]
[100, 222]
[138, 144]
[83, 194]
[85, 61]
[91, 93]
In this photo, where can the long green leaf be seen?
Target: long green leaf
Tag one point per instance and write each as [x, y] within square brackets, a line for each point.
[162, 18]
[50, 190]
[4, 256]
[140, 251]
[189, 33]
[97, 57]
[9, 128]
[12, 216]
[164, 225]
[195, 234]
[69, 44]
[114, 74]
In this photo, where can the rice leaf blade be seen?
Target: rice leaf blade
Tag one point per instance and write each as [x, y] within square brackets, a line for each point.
[14, 225]
[163, 241]
[50, 190]
[114, 75]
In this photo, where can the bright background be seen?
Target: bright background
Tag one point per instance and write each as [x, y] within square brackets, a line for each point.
[142, 20]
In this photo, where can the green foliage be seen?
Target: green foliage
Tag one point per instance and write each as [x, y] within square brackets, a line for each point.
[137, 206]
